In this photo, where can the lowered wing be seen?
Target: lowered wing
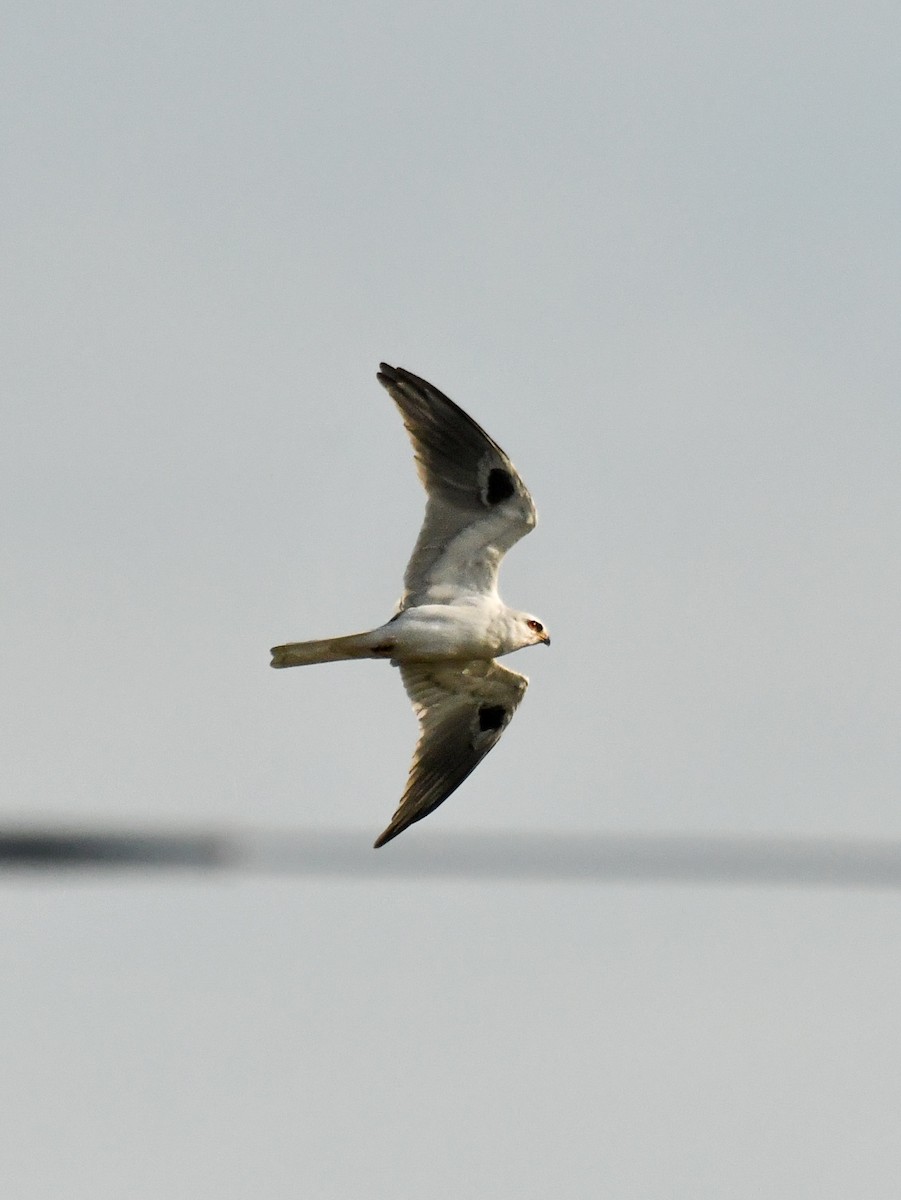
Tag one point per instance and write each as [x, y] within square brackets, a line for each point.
[462, 713]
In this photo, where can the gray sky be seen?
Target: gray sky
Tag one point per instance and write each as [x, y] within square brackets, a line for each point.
[656, 254]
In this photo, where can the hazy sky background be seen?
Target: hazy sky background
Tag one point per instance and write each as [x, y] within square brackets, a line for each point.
[654, 250]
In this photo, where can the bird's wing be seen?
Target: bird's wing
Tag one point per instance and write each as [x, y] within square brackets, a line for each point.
[477, 507]
[462, 713]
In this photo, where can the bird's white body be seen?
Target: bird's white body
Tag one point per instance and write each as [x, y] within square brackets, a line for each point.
[451, 623]
[480, 627]
[477, 627]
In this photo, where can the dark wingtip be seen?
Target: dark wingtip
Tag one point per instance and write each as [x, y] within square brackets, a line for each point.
[387, 835]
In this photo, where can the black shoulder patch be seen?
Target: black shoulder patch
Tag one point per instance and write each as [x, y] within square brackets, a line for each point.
[491, 716]
[500, 486]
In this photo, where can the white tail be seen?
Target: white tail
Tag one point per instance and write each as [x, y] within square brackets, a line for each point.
[300, 654]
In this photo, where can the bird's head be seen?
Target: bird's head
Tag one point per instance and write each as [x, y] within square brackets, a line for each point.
[533, 630]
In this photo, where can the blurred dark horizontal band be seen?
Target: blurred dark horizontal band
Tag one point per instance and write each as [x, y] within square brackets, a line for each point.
[549, 857]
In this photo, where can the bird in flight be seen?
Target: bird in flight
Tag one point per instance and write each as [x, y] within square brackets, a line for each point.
[451, 624]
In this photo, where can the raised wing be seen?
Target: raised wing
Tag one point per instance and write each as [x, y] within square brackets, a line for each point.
[462, 714]
[477, 507]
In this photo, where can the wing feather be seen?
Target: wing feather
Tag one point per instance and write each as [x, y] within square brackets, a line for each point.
[477, 507]
[462, 714]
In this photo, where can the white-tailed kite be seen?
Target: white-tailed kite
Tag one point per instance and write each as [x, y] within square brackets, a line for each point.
[451, 624]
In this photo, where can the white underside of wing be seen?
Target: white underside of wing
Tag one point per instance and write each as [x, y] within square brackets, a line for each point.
[465, 562]
[437, 691]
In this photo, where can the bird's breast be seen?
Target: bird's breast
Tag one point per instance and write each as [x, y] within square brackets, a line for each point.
[436, 632]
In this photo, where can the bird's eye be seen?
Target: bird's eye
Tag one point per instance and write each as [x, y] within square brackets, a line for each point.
[536, 625]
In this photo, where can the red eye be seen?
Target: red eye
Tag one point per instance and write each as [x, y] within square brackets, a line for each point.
[536, 625]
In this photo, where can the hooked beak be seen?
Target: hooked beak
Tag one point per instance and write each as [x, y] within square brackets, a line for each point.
[546, 638]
